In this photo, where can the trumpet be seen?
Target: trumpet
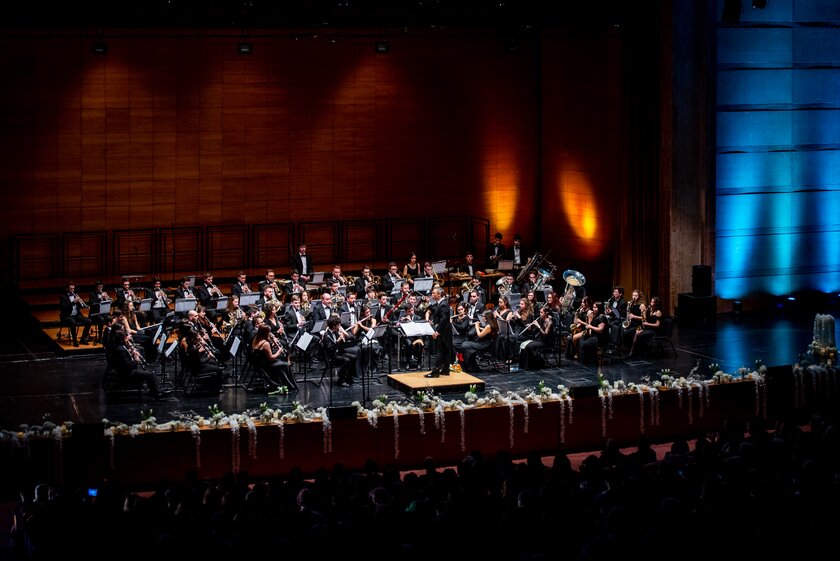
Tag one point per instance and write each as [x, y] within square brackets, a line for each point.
[161, 295]
[80, 302]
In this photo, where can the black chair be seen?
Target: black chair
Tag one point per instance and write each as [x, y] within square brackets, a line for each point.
[666, 330]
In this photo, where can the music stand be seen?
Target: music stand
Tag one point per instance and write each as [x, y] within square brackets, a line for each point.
[317, 327]
[104, 308]
[234, 353]
[505, 265]
[513, 299]
[439, 267]
[184, 305]
[423, 284]
[247, 300]
[371, 336]
[145, 305]
[345, 319]
[303, 344]
[397, 287]
[221, 303]
[317, 278]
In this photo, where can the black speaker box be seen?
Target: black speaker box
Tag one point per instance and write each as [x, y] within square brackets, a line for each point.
[701, 280]
[342, 413]
[583, 391]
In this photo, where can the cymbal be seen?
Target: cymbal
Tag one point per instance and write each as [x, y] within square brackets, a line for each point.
[574, 278]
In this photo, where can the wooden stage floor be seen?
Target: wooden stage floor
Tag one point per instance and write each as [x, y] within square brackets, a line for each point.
[39, 383]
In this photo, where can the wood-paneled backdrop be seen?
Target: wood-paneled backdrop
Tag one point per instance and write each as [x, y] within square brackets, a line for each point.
[171, 132]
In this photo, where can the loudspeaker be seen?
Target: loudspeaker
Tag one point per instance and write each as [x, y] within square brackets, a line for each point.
[701, 280]
[342, 413]
[583, 391]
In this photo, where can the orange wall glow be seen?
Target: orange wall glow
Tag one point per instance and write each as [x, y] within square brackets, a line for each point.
[579, 203]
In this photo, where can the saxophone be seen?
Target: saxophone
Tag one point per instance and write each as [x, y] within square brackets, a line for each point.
[641, 326]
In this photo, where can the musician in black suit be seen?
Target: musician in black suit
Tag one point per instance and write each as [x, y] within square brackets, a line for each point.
[469, 265]
[364, 282]
[302, 263]
[495, 250]
[125, 292]
[322, 310]
[185, 291]
[391, 279]
[295, 287]
[516, 252]
[70, 313]
[207, 294]
[130, 365]
[241, 285]
[294, 319]
[160, 302]
[442, 337]
[342, 352]
[95, 300]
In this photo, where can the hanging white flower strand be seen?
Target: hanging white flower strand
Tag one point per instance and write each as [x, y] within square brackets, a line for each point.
[281, 441]
[702, 398]
[326, 426]
[461, 412]
[59, 454]
[252, 438]
[571, 404]
[396, 434]
[680, 396]
[422, 417]
[690, 405]
[196, 435]
[234, 444]
[109, 433]
[562, 421]
[603, 414]
[641, 410]
[440, 421]
[511, 416]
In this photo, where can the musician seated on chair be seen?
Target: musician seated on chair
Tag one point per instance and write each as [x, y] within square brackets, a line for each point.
[70, 314]
[199, 360]
[530, 283]
[481, 337]
[95, 300]
[648, 328]
[596, 334]
[129, 364]
[517, 253]
[495, 250]
[341, 351]
[160, 302]
[272, 356]
[412, 347]
[126, 292]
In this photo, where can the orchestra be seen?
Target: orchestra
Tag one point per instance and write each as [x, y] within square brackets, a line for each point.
[454, 307]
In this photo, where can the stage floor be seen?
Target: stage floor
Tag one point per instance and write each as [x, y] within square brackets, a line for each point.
[36, 383]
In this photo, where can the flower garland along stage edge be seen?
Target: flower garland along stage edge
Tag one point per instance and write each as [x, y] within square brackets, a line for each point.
[425, 402]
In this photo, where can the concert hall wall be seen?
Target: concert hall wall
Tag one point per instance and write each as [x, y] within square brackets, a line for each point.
[176, 130]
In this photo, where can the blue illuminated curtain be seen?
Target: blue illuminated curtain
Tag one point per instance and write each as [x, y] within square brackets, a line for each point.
[778, 150]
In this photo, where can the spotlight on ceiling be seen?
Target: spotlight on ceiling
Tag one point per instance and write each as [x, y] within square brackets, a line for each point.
[382, 47]
[99, 48]
[245, 48]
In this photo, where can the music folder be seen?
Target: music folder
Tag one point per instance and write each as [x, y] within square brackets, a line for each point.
[416, 328]
[317, 278]
[221, 303]
[234, 347]
[304, 340]
[184, 305]
[423, 284]
[145, 304]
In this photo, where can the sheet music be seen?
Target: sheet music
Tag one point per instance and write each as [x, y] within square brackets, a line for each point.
[303, 342]
[416, 328]
[439, 267]
[234, 347]
[184, 305]
[423, 284]
[171, 348]
[145, 305]
[249, 299]
[154, 325]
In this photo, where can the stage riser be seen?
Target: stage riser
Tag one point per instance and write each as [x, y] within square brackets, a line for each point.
[143, 460]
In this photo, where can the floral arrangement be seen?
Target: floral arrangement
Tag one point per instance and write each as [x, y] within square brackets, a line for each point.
[426, 402]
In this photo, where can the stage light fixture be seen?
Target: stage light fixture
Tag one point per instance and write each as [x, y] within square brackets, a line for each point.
[382, 47]
[245, 48]
[99, 48]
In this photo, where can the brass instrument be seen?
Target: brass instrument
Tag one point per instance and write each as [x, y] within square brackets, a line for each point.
[349, 280]
[165, 298]
[79, 301]
[641, 326]
[466, 287]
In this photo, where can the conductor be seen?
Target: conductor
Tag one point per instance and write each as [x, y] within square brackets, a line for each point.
[444, 351]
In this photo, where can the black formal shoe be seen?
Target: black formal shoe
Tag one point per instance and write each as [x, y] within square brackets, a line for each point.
[75, 343]
[85, 342]
[431, 375]
[442, 373]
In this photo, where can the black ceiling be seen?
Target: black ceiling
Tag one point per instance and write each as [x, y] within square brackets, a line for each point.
[312, 13]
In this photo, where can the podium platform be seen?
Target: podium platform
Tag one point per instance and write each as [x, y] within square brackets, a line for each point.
[412, 382]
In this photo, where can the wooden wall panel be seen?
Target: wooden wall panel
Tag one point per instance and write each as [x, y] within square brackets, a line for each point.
[480, 238]
[85, 256]
[322, 243]
[360, 241]
[447, 239]
[403, 238]
[181, 250]
[134, 251]
[227, 247]
[272, 245]
[37, 257]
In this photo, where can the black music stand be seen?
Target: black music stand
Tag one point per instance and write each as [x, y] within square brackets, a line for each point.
[303, 340]
[167, 325]
[375, 336]
[234, 351]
